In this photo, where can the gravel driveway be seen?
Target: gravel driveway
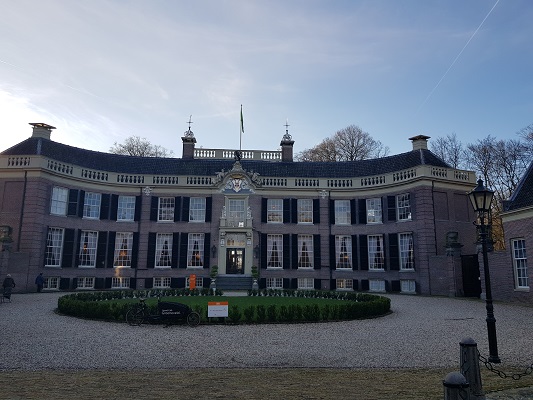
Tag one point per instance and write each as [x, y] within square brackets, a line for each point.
[421, 332]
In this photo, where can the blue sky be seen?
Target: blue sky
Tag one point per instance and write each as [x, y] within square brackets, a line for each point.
[101, 71]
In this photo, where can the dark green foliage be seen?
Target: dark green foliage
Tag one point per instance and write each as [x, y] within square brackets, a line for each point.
[234, 314]
[272, 313]
[261, 313]
[249, 313]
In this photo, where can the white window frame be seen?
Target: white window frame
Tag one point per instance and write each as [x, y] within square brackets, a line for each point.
[275, 211]
[344, 284]
[123, 250]
[85, 282]
[162, 282]
[59, 201]
[407, 252]
[91, 205]
[120, 282]
[197, 207]
[163, 260]
[403, 207]
[376, 253]
[274, 244]
[305, 254]
[237, 212]
[305, 211]
[376, 285]
[306, 283]
[165, 209]
[407, 286]
[343, 213]
[343, 252]
[274, 283]
[518, 249]
[54, 247]
[126, 208]
[51, 283]
[374, 211]
[88, 249]
[195, 250]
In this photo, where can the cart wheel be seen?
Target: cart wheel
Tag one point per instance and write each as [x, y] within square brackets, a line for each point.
[193, 319]
[134, 316]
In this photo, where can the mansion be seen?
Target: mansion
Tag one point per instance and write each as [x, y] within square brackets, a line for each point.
[91, 221]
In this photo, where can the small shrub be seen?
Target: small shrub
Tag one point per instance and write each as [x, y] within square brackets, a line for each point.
[272, 313]
[249, 313]
[234, 314]
[261, 313]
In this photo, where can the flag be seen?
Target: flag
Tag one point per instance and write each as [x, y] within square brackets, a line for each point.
[242, 122]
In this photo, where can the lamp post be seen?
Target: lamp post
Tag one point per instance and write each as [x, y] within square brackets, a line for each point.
[481, 199]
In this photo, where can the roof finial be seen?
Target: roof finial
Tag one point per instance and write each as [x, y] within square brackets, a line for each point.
[287, 136]
[189, 133]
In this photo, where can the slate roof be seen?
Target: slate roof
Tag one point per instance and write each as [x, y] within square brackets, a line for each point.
[523, 194]
[177, 166]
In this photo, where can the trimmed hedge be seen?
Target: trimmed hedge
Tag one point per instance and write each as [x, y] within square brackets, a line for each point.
[100, 305]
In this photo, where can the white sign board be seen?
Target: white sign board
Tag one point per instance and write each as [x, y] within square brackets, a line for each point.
[217, 309]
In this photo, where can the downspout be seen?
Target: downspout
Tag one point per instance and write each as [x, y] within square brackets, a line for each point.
[434, 231]
[22, 209]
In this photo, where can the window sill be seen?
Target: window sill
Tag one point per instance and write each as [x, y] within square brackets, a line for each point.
[522, 289]
[376, 270]
[121, 266]
[407, 270]
[53, 266]
[86, 266]
[163, 267]
[274, 268]
[194, 266]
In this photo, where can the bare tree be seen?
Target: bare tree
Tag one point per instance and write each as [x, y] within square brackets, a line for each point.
[137, 146]
[450, 150]
[348, 144]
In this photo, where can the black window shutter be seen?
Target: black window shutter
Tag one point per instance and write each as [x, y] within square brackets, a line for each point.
[262, 283]
[332, 261]
[135, 250]
[150, 258]
[317, 284]
[177, 208]
[363, 253]
[113, 207]
[68, 248]
[365, 284]
[294, 246]
[207, 249]
[184, 240]
[99, 283]
[286, 251]
[387, 286]
[108, 282]
[138, 208]
[331, 212]
[78, 241]
[185, 209]
[208, 208]
[316, 252]
[154, 208]
[316, 211]
[395, 286]
[362, 211]
[391, 208]
[175, 249]
[104, 206]
[64, 283]
[353, 212]
[177, 283]
[263, 253]
[81, 203]
[149, 283]
[294, 211]
[354, 252]
[72, 202]
[394, 253]
[101, 249]
[332, 284]
[133, 283]
[264, 205]
[294, 283]
[286, 283]
[206, 281]
[286, 211]
[355, 284]
[111, 249]
[74, 283]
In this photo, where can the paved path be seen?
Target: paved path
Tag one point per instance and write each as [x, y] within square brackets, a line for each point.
[421, 332]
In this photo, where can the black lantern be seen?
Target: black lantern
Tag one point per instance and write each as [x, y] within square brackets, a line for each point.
[481, 199]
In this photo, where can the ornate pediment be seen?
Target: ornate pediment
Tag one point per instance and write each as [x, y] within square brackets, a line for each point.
[237, 179]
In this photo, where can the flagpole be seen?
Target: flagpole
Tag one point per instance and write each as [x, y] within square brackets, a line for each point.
[241, 129]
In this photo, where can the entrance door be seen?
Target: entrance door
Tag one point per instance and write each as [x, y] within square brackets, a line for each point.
[235, 261]
[471, 281]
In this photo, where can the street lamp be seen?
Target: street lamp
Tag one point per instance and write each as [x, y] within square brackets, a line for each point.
[481, 198]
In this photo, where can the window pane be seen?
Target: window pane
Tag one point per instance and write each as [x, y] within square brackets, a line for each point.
[88, 245]
[120, 283]
[197, 209]
[126, 208]
[163, 250]
[306, 283]
[305, 211]
[274, 251]
[123, 249]
[344, 284]
[195, 250]
[373, 211]
[275, 210]
[91, 205]
[520, 263]
[236, 212]
[342, 212]
[407, 260]
[375, 252]
[403, 205]
[343, 252]
[54, 246]
[58, 205]
[305, 251]
[165, 211]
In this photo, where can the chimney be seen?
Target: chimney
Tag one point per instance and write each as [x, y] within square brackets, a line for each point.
[41, 130]
[420, 142]
[188, 145]
[287, 145]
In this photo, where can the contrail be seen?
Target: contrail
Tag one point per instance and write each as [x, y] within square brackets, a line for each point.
[456, 58]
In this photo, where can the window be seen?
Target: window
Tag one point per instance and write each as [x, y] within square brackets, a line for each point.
[85, 282]
[376, 285]
[373, 211]
[195, 250]
[274, 283]
[126, 208]
[376, 258]
[165, 211]
[199, 282]
[274, 251]
[197, 209]
[123, 249]
[305, 251]
[88, 245]
[344, 284]
[163, 250]
[343, 252]
[408, 286]
[520, 263]
[236, 212]
[305, 211]
[120, 283]
[342, 212]
[275, 210]
[162, 282]
[51, 283]
[54, 247]
[403, 207]
[91, 205]
[58, 205]
[407, 258]
[306, 283]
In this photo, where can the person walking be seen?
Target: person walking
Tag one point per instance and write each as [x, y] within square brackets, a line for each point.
[8, 285]
[39, 281]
